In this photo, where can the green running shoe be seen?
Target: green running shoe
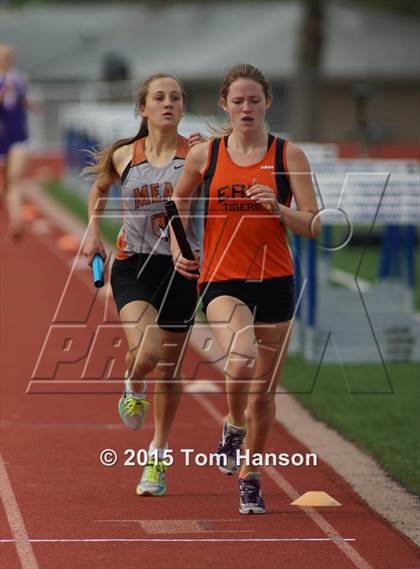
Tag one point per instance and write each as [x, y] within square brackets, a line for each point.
[152, 482]
[133, 410]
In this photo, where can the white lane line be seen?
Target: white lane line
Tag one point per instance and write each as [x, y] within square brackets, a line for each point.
[183, 540]
[348, 280]
[16, 523]
[320, 521]
[202, 386]
[357, 560]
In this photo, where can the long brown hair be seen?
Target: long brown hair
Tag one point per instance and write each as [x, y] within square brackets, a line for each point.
[102, 159]
[241, 71]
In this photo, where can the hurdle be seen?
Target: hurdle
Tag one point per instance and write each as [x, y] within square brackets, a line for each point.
[363, 322]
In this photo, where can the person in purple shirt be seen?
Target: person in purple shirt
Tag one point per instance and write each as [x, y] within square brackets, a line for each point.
[14, 152]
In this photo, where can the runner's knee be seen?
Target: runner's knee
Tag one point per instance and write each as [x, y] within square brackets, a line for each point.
[241, 364]
[141, 363]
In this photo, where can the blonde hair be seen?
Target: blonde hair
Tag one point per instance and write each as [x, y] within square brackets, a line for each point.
[232, 74]
[102, 159]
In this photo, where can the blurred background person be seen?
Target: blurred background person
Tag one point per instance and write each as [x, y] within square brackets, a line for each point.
[14, 151]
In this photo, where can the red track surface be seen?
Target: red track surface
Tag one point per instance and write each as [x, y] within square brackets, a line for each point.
[50, 445]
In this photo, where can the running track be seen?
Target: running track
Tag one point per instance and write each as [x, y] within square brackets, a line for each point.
[60, 508]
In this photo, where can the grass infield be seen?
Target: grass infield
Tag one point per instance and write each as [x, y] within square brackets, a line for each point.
[75, 203]
[356, 400]
[385, 425]
[349, 258]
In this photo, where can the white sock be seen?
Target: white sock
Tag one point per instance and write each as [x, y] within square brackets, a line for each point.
[132, 392]
[241, 427]
[160, 451]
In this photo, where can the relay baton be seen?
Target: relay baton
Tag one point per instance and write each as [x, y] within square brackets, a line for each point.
[98, 270]
[179, 230]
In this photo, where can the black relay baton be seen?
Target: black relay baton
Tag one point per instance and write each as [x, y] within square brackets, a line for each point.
[179, 230]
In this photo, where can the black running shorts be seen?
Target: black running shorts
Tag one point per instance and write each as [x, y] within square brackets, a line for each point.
[270, 300]
[153, 279]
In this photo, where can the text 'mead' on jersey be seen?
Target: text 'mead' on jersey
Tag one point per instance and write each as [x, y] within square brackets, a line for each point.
[144, 189]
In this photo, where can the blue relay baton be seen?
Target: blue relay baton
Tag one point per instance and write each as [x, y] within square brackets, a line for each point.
[98, 270]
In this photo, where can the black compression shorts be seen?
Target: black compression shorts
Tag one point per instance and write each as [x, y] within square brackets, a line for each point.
[173, 296]
[270, 300]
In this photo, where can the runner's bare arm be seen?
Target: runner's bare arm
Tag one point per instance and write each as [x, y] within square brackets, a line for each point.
[191, 177]
[97, 202]
[302, 221]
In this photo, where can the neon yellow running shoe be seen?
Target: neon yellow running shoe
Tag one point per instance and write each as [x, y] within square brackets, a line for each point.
[152, 482]
[133, 409]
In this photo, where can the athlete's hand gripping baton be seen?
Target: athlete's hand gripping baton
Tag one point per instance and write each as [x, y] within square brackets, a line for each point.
[98, 270]
[179, 230]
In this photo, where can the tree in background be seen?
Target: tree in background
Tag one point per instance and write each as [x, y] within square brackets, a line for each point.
[306, 83]
[305, 88]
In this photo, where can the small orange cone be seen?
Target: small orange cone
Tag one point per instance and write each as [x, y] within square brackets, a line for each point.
[29, 212]
[315, 499]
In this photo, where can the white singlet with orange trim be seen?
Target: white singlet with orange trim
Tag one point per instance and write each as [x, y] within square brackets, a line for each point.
[144, 189]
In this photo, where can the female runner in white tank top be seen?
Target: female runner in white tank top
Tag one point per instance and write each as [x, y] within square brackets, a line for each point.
[155, 303]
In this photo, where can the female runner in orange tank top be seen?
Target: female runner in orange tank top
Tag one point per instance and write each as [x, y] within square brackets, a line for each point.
[246, 279]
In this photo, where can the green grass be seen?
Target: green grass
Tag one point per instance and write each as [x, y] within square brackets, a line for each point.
[349, 259]
[72, 201]
[385, 425]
